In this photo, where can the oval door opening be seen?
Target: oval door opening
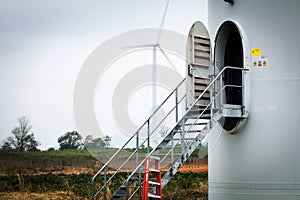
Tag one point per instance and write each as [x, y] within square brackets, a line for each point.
[229, 53]
[233, 57]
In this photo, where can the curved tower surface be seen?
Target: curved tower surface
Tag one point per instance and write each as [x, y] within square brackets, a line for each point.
[262, 159]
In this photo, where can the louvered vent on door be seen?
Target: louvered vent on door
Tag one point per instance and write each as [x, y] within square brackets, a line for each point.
[201, 51]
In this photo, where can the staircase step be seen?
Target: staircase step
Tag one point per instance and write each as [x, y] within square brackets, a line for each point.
[175, 154]
[185, 138]
[204, 116]
[154, 157]
[153, 196]
[195, 124]
[135, 178]
[154, 170]
[202, 102]
[154, 183]
[200, 105]
[117, 196]
[189, 131]
[199, 110]
[229, 110]
[129, 186]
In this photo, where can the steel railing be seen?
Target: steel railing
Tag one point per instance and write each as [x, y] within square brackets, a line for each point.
[139, 144]
[178, 100]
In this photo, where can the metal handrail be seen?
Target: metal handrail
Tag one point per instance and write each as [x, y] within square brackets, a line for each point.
[138, 166]
[214, 98]
[201, 95]
[186, 113]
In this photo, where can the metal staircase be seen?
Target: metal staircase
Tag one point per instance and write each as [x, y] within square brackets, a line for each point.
[171, 146]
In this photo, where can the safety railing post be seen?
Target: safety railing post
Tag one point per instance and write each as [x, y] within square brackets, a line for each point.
[140, 185]
[172, 146]
[93, 189]
[182, 137]
[212, 101]
[127, 191]
[137, 150]
[176, 105]
[221, 85]
[148, 136]
[243, 92]
[105, 186]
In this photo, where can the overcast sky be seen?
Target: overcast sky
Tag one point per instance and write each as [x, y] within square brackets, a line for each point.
[43, 45]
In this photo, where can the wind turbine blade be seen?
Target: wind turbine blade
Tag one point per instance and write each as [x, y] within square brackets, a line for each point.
[154, 78]
[162, 22]
[169, 61]
[139, 46]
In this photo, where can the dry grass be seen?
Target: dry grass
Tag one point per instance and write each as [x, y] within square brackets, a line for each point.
[194, 168]
[39, 196]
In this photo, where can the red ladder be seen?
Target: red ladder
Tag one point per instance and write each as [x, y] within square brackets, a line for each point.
[157, 184]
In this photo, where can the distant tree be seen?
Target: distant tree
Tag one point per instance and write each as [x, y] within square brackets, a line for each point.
[33, 145]
[107, 140]
[70, 140]
[99, 142]
[22, 139]
[6, 146]
[90, 142]
[51, 149]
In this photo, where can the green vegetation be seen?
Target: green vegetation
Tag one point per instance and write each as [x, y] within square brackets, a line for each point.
[187, 185]
[14, 162]
[70, 140]
[71, 171]
[181, 186]
[78, 184]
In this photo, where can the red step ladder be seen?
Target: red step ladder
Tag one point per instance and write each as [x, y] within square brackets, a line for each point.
[148, 170]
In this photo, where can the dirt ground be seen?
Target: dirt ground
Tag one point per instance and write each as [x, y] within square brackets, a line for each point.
[39, 196]
[194, 168]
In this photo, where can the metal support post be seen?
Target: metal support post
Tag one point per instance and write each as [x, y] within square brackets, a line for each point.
[127, 192]
[148, 135]
[221, 91]
[182, 137]
[172, 146]
[176, 105]
[137, 150]
[140, 185]
[243, 92]
[105, 186]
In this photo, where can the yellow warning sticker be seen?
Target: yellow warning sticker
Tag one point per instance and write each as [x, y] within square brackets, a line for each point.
[255, 51]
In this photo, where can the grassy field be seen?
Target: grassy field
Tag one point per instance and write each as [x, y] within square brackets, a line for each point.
[67, 175]
[182, 185]
[45, 162]
[40, 196]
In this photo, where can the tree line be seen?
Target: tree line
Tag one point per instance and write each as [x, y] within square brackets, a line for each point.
[23, 139]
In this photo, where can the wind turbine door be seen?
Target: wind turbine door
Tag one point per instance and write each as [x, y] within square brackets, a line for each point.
[198, 65]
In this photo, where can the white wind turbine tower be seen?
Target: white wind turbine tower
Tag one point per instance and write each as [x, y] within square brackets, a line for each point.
[154, 61]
